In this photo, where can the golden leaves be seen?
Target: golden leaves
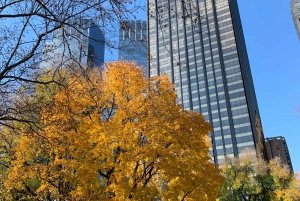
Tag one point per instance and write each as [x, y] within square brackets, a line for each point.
[119, 136]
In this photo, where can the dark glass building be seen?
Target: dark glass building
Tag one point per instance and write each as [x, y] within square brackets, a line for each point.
[277, 147]
[82, 43]
[200, 45]
[133, 43]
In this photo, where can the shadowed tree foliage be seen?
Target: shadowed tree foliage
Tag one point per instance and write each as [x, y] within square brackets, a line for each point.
[30, 106]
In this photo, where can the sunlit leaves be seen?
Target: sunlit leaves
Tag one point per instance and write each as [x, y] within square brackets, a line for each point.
[117, 136]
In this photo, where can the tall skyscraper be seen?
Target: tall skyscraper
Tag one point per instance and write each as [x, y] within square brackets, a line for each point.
[277, 147]
[133, 43]
[82, 43]
[295, 6]
[200, 45]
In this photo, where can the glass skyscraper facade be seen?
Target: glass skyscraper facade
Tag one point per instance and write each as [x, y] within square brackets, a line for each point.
[133, 43]
[200, 45]
[82, 43]
[295, 6]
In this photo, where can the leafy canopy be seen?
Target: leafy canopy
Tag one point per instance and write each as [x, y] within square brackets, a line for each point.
[116, 136]
[251, 178]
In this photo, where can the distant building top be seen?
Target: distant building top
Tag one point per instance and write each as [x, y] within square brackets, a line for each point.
[133, 43]
[295, 6]
[81, 42]
[277, 147]
[135, 30]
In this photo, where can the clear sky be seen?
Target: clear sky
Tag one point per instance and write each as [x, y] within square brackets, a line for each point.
[274, 54]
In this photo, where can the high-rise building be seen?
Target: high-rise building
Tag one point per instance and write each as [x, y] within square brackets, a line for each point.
[200, 45]
[277, 147]
[82, 43]
[295, 6]
[133, 43]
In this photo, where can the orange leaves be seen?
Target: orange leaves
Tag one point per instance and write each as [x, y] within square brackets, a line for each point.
[119, 136]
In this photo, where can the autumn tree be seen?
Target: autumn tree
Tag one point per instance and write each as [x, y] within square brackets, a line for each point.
[25, 28]
[116, 136]
[250, 178]
[28, 107]
[287, 186]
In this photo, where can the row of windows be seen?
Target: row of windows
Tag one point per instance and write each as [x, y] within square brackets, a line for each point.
[231, 63]
[221, 12]
[220, 1]
[227, 43]
[221, 152]
[221, 5]
[225, 23]
[235, 86]
[223, 17]
[225, 29]
[203, 100]
[244, 129]
[236, 72]
[241, 120]
[227, 36]
[239, 111]
[230, 56]
[238, 103]
[229, 49]
[229, 150]
[236, 94]
[220, 142]
[219, 132]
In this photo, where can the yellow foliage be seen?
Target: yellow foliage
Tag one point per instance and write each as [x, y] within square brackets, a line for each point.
[287, 186]
[117, 136]
[8, 139]
[251, 177]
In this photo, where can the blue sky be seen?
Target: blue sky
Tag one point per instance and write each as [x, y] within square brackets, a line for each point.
[274, 54]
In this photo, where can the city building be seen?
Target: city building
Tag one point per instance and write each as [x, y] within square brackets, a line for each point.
[200, 45]
[277, 147]
[295, 6]
[82, 43]
[133, 43]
